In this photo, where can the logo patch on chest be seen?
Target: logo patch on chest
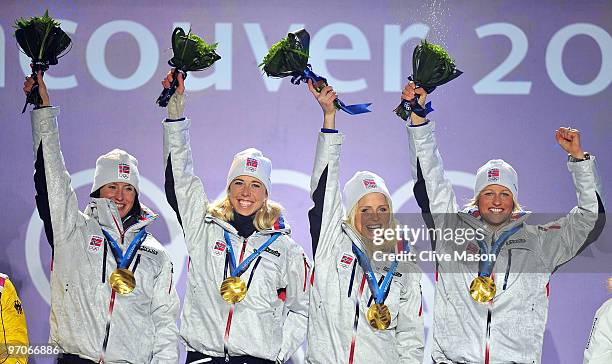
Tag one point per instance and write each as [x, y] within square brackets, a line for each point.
[219, 248]
[95, 243]
[346, 260]
[272, 251]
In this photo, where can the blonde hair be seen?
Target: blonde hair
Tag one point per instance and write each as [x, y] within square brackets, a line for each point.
[264, 219]
[388, 245]
[474, 203]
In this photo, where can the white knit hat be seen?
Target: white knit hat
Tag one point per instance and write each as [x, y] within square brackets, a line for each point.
[116, 166]
[496, 172]
[362, 183]
[251, 162]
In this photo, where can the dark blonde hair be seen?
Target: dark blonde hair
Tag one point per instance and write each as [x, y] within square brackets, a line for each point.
[264, 219]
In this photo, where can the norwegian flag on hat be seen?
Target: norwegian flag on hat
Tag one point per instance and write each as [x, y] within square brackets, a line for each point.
[493, 174]
[123, 171]
[369, 184]
[251, 164]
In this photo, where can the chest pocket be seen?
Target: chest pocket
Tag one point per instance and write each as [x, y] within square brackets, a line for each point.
[264, 274]
[519, 270]
[145, 269]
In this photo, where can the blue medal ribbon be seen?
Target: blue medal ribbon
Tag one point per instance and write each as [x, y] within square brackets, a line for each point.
[379, 292]
[486, 266]
[125, 259]
[237, 271]
[307, 74]
[414, 106]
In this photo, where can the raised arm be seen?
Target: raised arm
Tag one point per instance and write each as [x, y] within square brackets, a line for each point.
[562, 239]
[184, 190]
[326, 215]
[433, 192]
[296, 302]
[55, 198]
[164, 310]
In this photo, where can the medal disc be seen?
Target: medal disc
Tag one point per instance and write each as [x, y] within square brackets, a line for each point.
[122, 281]
[233, 290]
[482, 289]
[379, 316]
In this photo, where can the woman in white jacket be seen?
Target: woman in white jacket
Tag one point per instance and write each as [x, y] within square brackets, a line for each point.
[494, 311]
[362, 310]
[247, 297]
[112, 297]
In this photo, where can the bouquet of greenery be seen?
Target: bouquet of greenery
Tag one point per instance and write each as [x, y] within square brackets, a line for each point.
[190, 53]
[289, 57]
[431, 67]
[41, 39]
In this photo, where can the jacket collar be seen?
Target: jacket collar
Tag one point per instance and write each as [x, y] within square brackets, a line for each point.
[471, 215]
[380, 267]
[280, 226]
[354, 236]
[105, 212]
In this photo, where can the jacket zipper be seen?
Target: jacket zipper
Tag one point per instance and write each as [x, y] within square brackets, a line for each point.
[508, 268]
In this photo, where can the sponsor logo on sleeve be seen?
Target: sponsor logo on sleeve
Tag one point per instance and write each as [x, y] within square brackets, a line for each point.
[95, 243]
[272, 251]
[148, 250]
[395, 274]
[516, 241]
[18, 308]
[550, 227]
[123, 171]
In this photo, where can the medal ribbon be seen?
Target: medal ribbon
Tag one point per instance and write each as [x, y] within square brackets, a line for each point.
[486, 266]
[379, 292]
[124, 260]
[307, 74]
[237, 271]
[414, 106]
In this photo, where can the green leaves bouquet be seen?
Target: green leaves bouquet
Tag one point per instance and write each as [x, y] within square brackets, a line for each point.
[190, 53]
[289, 57]
[432, 66]
[41, 39]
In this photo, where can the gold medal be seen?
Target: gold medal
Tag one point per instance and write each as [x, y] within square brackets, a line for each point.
[482, 289]
[233, 290]
[122, 281]
[379, 316]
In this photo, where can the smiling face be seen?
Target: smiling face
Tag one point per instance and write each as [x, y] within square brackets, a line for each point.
[122, 194]
[495, 203]
[247, 195]
[372, 212]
